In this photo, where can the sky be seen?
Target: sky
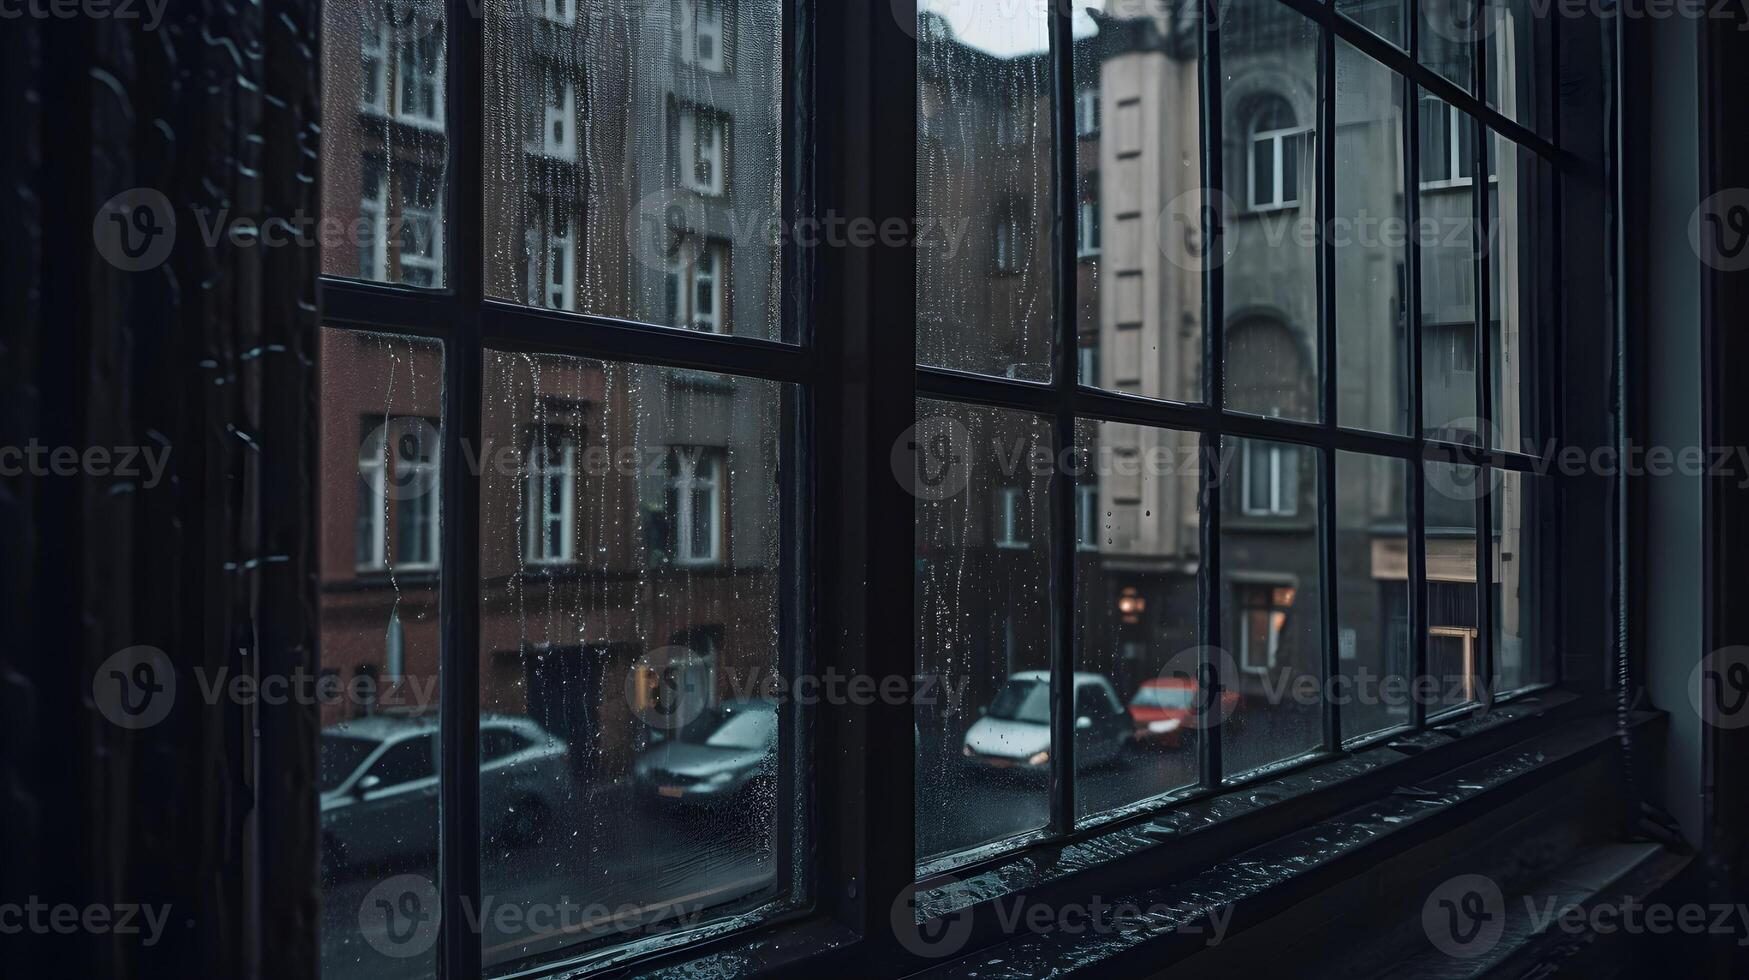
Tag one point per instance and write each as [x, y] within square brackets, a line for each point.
[1006, 27]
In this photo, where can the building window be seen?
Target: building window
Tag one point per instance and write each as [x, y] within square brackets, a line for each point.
[696, 270]
[373, 78]
[552, 494]
[1011, 518]
[421, 251]
[1271, 476]
[1278, 143]
[697, 493]
[1087, 218]
[1087, 362]
[398, 472]
[700, 34]
[559, 11]
[1263, 616]
[420, 80]
[559, 128]
[1087, 517]
[1448, 144]
[373, 235]
[1087, 112]
[700, 139]
[1010, 236]
[552, 261]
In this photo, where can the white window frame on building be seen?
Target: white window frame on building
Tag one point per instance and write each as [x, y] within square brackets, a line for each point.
[420, 223]
[1278, 465]
[419, 93]
[414, 504]
[1087, 219]
[703, 137]
[698, 471]
[1280, 140]
[560, 11]
[559, 121]
[697, 268]
[1010, 518]
[373, 243]
[373, 46]
[1087, 517]
[700, 31]
[551, 500]
[1087, 112]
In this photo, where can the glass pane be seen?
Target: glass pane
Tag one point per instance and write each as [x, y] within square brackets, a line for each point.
[1524, 628]
[1514, 88]
[984, 259]
[983, 607]
[634, 160]
[1447, 235]
[633, 670]
[1368, 233]
[1272, 596]
[1269, 96]
[1374, 652]
[383, 142]
[1454, 652]
[382, 422]
[1449, 29]
[1382, 17]
[1521, 287]
[1136, 611]
[1140, 297]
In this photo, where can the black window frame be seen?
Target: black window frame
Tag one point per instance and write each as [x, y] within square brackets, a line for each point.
[849, 148]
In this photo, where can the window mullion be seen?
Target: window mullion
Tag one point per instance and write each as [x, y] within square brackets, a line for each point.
[1324, 210]
[1067, 171]
[1210, 478]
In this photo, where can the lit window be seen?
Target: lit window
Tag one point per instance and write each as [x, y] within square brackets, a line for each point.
[1263, 613]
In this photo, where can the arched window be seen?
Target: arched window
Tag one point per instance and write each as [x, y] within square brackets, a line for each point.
[1278, 142]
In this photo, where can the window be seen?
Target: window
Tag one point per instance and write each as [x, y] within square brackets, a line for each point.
[1087, 112]
[420, 82]
[373, 76]
[1263, 615]
[552, 499]
[397, 467]
[1272, 479]
[698, 506]
[696, 274]
[1087, 219]
[1087, 517]
[1011, 519]
[699, 33]
[1278, 146]
[701, 138]
[1448, 144]
[558, 132]
[373, 238]
[552, 263]
[558, 11]
[421, 251]
[1010, 239]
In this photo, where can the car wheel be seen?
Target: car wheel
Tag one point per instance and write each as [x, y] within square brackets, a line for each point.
[527, 818]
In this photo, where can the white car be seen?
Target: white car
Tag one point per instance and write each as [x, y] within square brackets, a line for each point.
[378, 780]
[1015, 731]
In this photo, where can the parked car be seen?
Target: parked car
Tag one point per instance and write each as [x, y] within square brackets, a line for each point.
[720, 758]
[1164, 708]
[378, 783]
[1015, 731]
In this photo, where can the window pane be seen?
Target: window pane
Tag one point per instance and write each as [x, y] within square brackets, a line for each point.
[381, 416]
[1269, 57]
[1514, 85]
[1382, 17]
[983, 626]
[1524, 628]
[1140, 297]
[1521, 290]
[641, 671]
[1448, 35]
[1372, 597]
[1447, 234]
[383, 142]
[1454, 652]
[984, 196]
[1272, 597]
[1368, 235]
[654, 130]
[1136, 611]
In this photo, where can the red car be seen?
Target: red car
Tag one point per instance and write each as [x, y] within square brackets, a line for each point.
[1164, 707]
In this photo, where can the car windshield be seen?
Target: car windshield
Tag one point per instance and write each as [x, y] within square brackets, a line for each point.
[340, 756]
[1028, 701]
[750, 729]
[1165, 697]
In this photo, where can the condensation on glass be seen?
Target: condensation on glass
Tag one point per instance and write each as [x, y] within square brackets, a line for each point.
[631, 672]
[1447, 236]
[982, 604]
[1525, 650]
[1272, 602]
[1140, 224]
[1369, 232]
[1447, 37]
[1521, 288]
[381, 416]
[1136, 608]
[1269, 106]
[1374, 643]
[985, 253]
[1454, 641]
[384, 145]
[634, 160]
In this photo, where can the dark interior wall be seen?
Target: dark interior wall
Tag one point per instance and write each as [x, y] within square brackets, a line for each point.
[202, 358]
